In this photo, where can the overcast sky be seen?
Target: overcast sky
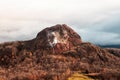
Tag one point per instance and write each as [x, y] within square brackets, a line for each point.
[97, 21]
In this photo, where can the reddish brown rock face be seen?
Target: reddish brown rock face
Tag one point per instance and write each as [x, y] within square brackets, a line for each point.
[59, 38]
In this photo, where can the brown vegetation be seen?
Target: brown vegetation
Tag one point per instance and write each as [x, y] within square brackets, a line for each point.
[36, 60]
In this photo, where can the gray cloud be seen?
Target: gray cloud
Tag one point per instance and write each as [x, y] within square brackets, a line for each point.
[95, 21]
[103, 32]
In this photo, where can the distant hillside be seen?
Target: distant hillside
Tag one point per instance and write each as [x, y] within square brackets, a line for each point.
[110, 46]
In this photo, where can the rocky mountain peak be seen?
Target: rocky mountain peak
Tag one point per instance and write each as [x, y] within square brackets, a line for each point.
[59, 37]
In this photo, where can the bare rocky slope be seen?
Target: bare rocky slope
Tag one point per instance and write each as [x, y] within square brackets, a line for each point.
[114, 51]
[56, 53]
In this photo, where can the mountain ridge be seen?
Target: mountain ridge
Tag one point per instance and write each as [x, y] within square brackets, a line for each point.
[111, 46]
[55, 54]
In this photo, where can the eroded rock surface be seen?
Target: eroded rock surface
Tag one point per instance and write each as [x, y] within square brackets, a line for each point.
[60, 38]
